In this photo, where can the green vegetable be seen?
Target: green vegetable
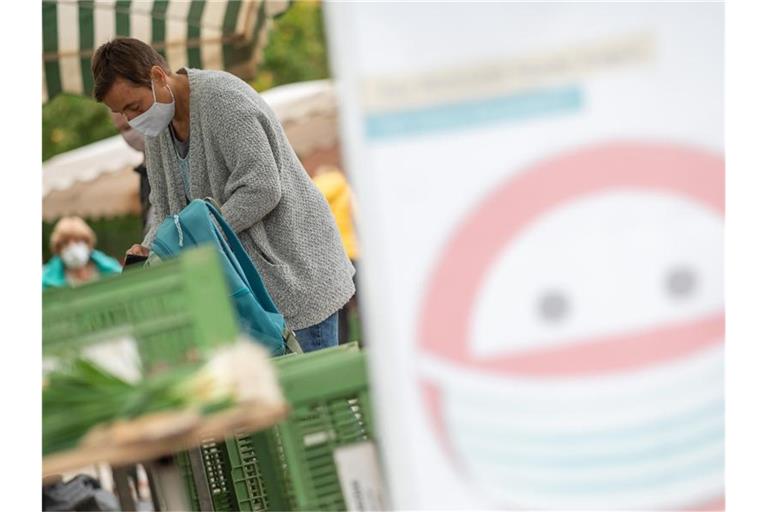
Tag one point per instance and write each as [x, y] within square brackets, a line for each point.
[82, 395]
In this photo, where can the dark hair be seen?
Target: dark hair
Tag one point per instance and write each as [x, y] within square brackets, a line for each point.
[123, 57]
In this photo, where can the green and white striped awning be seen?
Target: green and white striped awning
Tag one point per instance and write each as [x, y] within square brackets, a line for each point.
[206, 34]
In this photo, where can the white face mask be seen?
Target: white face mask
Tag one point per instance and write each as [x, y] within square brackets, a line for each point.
[134, 139]
[76, 255]
[156, 117]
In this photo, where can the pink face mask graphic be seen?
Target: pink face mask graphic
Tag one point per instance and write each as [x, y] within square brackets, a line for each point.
[571, 333]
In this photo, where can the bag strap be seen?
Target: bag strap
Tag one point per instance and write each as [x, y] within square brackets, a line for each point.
[291, 342]
[252, 276]
[226, 230]
[213, 203]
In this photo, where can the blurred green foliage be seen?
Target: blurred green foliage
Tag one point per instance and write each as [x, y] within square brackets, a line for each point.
[296, 49]
[73, 121]
[295, 52]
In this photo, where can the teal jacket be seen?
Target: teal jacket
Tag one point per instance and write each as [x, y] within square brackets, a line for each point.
[54, 275]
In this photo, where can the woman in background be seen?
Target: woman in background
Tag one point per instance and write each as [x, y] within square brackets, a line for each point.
[75, 260]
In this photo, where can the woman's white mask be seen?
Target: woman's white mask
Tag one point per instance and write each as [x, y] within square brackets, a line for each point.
[76, 255]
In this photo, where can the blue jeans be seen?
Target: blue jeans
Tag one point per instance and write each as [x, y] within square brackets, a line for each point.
[322, 335]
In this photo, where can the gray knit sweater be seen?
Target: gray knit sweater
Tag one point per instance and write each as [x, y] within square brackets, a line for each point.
[239, 155]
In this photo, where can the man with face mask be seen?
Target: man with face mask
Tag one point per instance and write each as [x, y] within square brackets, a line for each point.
[209, 134]
[75, 260]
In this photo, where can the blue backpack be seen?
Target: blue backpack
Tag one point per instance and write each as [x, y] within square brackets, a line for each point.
[201, 223]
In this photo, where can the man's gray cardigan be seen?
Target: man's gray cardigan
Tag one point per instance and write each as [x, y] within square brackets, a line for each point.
[239, 155]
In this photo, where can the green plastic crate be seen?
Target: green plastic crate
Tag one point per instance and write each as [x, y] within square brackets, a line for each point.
[243, 473]
[330, 408]
[277, 469]
[259, 476]
[185, 470]
[174, 310]
[217, 472]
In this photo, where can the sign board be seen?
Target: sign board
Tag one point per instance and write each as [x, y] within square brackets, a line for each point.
[540, 191]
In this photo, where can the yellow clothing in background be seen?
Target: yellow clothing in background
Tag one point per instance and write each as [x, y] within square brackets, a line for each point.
[335, 188]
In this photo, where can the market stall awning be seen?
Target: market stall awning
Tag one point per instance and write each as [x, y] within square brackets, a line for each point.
[207, 34]
[88, 163]
[96, 180]
[307, 111]
[108, 195]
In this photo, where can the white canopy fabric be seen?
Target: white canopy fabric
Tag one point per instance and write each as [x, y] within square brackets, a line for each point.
[88, 163]
[109, 195]
[300, 99]
[307, 111]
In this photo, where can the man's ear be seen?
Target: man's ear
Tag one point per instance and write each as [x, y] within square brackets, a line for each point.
[158, 75]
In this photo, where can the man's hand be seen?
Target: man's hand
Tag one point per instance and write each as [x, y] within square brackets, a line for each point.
[138, 250]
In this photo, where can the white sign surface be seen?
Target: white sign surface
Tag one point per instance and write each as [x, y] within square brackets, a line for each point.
[540, 192]
[358, 468]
